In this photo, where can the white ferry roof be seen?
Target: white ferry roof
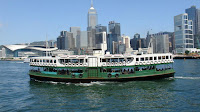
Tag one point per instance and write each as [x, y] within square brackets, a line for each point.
[103, 56]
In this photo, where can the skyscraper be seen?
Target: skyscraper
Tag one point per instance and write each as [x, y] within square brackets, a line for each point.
[65, 40]
[135, 41]
[126, 41]
[161, 42]
[84, 39]
[114, 37]
[114, 28]
[100, 28]
[92, 16]
[76, 35]
[198, 15]
[193, 15]
[92, 22]
[183, 30]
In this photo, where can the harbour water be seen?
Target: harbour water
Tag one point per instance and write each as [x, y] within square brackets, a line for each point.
[19, 93]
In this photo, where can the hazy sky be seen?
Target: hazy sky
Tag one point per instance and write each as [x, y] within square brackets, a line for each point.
[23, 21]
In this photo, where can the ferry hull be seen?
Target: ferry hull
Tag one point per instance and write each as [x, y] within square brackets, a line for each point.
[88, 80]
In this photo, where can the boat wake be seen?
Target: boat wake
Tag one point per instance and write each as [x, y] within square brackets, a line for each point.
[76, 84]
[193, 78]
[93, 83]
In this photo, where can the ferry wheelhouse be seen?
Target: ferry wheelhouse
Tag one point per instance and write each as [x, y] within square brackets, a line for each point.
[88, 68]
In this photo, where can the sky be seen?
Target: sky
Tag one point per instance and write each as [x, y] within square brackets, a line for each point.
[25, 21]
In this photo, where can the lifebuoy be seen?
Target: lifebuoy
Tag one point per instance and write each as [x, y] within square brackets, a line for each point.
[73, 76]
[81, 75]
[109, 75]
[117, 75]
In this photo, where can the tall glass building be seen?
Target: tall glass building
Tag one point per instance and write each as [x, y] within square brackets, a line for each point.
[193, 15]
[183, 29]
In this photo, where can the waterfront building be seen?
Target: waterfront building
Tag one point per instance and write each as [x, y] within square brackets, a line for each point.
[111, 39]
[62, 52]
[135, 41]
[142, 43]
[76, 35]
[101, 36]
[91, 38]
[65, 40]
[84, 39]
[126, 41]
[50, 43]
[148, 39]
[114, 28]
[114, 37]
[100, 28]
[193, 15]
[161, 42]
[171, 42]
[198, 16]
[102, 43]
[183, 31]
[9, 51]
[122, 48]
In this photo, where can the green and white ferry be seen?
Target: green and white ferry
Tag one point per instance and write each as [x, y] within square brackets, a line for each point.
[97, 67]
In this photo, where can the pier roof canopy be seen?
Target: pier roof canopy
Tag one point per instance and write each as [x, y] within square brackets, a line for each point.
[17, 47]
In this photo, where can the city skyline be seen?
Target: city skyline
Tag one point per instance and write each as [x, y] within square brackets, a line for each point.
[27, 21]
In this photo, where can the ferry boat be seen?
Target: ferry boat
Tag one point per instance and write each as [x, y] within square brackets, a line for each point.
[108, 67]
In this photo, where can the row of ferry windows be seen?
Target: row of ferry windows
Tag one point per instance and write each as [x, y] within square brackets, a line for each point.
[43, 60]
[101, 60]
[116, 60]
[153, 58]
[72, 60]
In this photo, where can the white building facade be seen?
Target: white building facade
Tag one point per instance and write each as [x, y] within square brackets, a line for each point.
[183, 29]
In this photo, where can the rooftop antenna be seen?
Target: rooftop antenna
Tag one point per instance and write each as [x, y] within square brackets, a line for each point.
[91, 3]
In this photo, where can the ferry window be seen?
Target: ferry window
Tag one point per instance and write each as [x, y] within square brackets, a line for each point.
[108, 60]
[151, 58]
[74, 60]
[159, 57]
[146, 58]
[51, 61]
[103, 60]
[100, 60]
[54, 61]
[40, 60]
[163, 57]
[114, 60]
[43, 60]
[155, 58]
[81, 60]
[128, 59]
[137, 59]
[66, 60]
[86, 60]
[121, 59]
[47, 61]
[170, 57]
[37, 60]
[141, 59]
[167, 57]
